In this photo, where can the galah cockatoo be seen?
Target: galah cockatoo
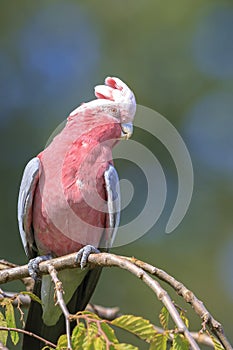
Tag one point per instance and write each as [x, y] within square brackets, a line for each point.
[69, 201]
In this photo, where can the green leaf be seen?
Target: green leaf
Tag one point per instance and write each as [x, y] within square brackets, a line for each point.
[3, 334]
[123, 346]
[92, 329]
[109, 332]
[10, 320]
[136, 325]
[184, 319]
[99, 343]
[88, 343]
[159, 343]
[33, 296]
[164, 318]
[179, 342]
[217, 345]
[78, 335]
[62, 342]
[4, 301]
[92, 333]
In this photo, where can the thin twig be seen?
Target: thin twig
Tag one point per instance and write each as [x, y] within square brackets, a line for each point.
[60, 300]
[2, 347]
[17, 298]
[201, 338]
[27, 281]
[9, 329]
[114, 260]
[106, 313]
[69, 261]
[190, 298]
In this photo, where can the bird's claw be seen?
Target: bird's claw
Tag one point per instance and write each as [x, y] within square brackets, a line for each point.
[33, 265]
[83, 254]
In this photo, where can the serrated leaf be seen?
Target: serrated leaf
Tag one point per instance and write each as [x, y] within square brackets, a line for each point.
[164, 318]
[10, 320]
[109, 332]
[217, 345]
[123, 346]
[137, 325]
[3, 334]
[62, 342]
[33, 296]
[92, 329]
[159, 343]
[78, 335]
[179, 342]
[88, 343]
[99, 343]
[184, 319]
[92, 333]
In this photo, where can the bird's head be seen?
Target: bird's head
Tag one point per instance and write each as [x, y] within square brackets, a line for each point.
[116, 99]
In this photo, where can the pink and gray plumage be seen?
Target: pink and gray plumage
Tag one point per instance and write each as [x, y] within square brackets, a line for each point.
[69, 198]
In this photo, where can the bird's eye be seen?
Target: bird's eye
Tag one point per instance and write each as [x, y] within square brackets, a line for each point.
[114, 110]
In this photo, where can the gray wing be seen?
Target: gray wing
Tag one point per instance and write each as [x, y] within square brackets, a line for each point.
[113, 202]
[26, 194]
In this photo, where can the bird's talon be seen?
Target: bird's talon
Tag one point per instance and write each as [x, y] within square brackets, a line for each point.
[83, 254]
[33, 265]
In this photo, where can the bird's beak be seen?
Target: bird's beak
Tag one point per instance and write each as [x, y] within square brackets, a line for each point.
[127, 130]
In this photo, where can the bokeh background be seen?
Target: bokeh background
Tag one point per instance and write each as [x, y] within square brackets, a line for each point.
[178, 58]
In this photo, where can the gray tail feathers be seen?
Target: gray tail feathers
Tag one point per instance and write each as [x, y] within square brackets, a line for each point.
[77, 303]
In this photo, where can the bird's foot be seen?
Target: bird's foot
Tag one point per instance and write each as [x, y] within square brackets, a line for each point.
[33, 265]
[83, 254]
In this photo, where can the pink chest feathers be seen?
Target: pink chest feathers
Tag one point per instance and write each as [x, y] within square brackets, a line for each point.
[70, 207]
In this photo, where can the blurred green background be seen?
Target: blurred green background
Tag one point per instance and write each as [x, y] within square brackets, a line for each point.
[178, 58]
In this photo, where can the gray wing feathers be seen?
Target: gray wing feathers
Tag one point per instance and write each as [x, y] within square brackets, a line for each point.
[113, 202]
[25, 200]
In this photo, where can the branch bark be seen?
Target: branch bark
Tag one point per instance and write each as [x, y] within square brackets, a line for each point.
[190, 298]
[59, 293]
[141, 270]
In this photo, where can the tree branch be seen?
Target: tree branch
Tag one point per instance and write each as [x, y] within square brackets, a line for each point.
[140, 269]
[27, 281]
[9, 329]
[17, 298]
[106, 313]
[190, 298]
[106, 259]
[59, 293]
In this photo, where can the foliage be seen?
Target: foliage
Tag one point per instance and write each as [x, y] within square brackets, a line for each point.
[92, 332]
[8, 321]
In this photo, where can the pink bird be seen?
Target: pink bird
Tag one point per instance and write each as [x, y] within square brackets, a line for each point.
[69, 201]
